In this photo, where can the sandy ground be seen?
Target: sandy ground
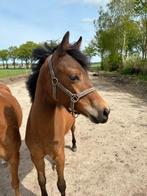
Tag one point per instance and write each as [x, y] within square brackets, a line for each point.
[111, 159]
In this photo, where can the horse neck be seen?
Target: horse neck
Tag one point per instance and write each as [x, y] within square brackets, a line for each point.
[43, 93]
[47, 111]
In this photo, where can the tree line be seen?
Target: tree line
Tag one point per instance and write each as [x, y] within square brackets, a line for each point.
[121, 36]
[19, 56]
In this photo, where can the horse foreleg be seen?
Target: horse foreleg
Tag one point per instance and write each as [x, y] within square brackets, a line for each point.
[61, 184]
[74, 146]
[14, 163]
[40, 167]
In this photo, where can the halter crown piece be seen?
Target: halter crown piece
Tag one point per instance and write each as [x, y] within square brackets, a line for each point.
[74, 97]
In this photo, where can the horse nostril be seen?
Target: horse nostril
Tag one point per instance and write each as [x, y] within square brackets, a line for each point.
[106, 112]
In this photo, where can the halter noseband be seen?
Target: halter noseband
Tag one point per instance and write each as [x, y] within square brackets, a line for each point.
[74, 97]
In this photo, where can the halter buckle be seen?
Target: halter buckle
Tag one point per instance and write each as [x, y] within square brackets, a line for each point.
[74, 98]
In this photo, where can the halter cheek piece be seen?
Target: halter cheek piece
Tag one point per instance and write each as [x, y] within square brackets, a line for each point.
[74, 97]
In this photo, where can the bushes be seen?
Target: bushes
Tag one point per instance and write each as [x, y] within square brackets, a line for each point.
[112, 62]
[134, 65]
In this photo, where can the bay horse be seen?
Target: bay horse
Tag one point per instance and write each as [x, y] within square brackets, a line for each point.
[10, 141]
[60, 89]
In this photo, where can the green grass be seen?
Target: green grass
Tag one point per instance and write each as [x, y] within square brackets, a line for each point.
[94, 66]
[142, 77]
[6, 73]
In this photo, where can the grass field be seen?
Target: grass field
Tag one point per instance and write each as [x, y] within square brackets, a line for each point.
[94, 66]
[6, 73]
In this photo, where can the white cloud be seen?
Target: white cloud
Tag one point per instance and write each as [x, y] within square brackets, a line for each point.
[87, 20]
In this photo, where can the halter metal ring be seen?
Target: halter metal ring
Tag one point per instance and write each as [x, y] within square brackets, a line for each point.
[75, 114]
[54, 81]
[74, 98]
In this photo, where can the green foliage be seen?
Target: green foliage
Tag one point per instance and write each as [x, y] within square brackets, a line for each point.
[121, 31]
[4, 56]
[90, 50]
[52, 43]
[135, 65]
[12, 52]
[112, 62]
[25, 52]
[22, 53]
[142, 77]
[140, 7]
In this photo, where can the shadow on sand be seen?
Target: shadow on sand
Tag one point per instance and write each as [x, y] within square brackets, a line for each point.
[25, 168]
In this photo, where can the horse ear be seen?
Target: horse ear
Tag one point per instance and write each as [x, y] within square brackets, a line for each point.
[64, 45]
[77, 44]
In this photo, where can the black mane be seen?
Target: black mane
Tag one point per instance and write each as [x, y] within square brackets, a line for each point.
[40, 54]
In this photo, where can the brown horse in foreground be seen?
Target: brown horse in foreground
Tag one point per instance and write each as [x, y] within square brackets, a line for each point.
[10, 141]
[60, 89]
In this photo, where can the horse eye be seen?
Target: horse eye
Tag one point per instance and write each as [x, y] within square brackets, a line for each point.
[74, 77]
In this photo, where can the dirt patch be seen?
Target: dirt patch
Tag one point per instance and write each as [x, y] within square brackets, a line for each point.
[126, 83]
[13, 79]
[111, 158]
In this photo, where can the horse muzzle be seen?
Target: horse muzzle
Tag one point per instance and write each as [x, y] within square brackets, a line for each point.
[101, 117]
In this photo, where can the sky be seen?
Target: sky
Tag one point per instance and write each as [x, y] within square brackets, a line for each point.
[41, 20]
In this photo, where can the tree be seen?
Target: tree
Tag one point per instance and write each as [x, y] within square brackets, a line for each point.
[52, 43]
[12, 52]
[4, 58]
[118, 33]
[25, 52]
[90, 50]
[141, 12]
[106, 39]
